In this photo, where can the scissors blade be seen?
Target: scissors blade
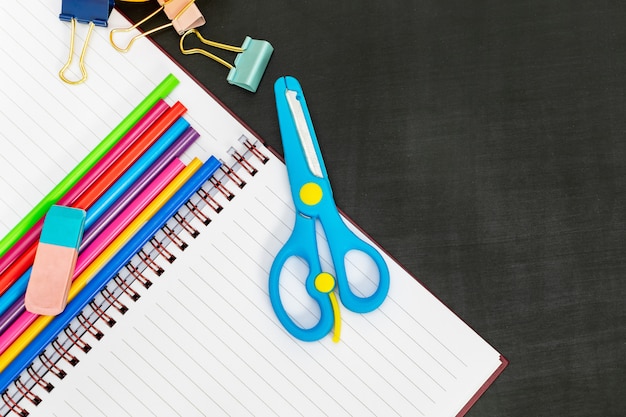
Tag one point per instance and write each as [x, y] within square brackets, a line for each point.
[304, 134]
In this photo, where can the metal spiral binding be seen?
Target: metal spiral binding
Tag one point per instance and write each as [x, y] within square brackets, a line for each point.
[186, 225]
[26, 392]
[217, 184]
[12, 406]
[101, 315]
[156, 268]
[244, 163]
[51, 366]
[137, 275]
[254, 150]
[76, 339]
[39, 380]
[210, 201]
[232, 175]
[173, 237]
[89, 326]
[113, 300]
[162, 249]
[140, 272]
[126, 288]
[195, 210]
[64, 352]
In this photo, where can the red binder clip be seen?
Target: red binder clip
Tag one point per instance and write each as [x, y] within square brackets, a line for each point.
[92, 12]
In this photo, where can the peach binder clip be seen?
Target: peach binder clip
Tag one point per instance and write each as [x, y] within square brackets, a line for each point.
[184, 15]
[93, 12]
[55, 260]
[250, 63]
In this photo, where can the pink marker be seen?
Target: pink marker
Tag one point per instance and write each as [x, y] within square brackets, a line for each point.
[88, 254]
[55, 260]
[84, 183]
[128, 214]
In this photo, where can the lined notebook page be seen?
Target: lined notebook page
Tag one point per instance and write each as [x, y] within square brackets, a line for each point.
[203, 340]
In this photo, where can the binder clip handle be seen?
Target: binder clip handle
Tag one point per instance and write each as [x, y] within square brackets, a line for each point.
[141, 35]
[184, 14]
[81, 59]
[249, 65]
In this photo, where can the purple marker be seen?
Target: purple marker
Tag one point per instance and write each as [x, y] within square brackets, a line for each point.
[176, 149]
[182, 143]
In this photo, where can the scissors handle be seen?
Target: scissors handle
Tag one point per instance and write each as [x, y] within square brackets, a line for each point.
[300, 245]
[313, 200]
[341, 241]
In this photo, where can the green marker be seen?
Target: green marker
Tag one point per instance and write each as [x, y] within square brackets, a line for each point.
[161, 91]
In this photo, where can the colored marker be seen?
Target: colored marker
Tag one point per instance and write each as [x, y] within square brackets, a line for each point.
[20, 321]
[32, 235]
[122, 164]
[135, 171]
[123, 248]
[85, 255]
[13, 363]
[16, 331]
[177, 149]
[55, 260]
[119, 185]
[103, 183]
[161, 91]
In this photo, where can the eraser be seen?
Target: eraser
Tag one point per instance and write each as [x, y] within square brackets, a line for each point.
[55, 260]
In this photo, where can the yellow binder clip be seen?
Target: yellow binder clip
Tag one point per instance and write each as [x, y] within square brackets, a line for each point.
[250, 63]
[184, 15]
[93, 12]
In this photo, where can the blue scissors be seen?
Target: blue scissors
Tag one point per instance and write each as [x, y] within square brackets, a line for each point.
[313, 200]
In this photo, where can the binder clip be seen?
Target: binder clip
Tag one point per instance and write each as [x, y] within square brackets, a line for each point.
[250, 63]
[93, 12]
[183, 14]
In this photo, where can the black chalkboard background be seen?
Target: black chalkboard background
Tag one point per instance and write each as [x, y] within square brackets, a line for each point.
[483, 144]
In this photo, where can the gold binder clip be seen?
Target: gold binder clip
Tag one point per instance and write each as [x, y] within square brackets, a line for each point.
[81, 60]
[250, 63]
[188, 17]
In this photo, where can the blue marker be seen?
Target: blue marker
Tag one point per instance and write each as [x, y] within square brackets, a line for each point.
[97, 283]
[106, 200]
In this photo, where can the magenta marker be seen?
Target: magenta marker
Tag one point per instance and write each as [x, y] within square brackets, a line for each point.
[84, 183]
[14, 322]
[182, 143]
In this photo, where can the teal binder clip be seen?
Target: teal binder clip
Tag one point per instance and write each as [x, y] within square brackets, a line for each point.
[250, 63]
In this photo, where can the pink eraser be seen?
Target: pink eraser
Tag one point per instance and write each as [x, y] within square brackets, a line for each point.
[55, 260]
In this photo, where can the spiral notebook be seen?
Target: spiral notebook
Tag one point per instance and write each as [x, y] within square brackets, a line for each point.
[186, 328]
